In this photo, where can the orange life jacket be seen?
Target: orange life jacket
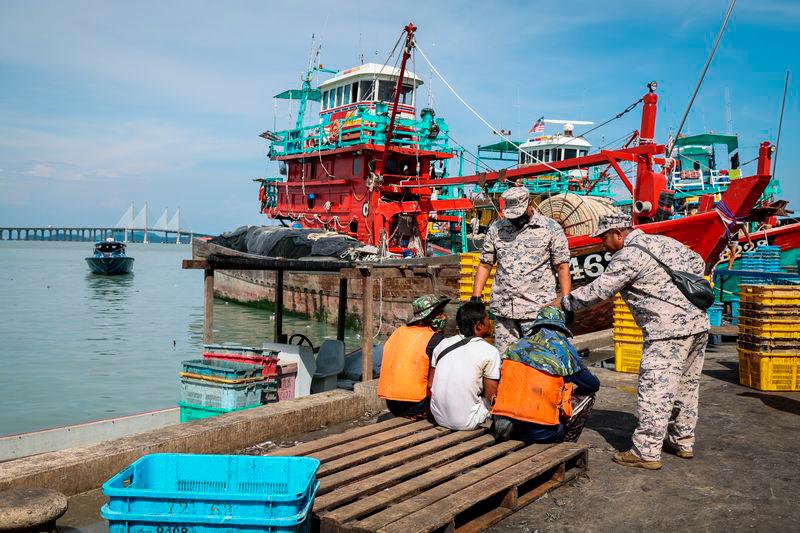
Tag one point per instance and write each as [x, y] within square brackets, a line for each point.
[531, 395]
[405, 365]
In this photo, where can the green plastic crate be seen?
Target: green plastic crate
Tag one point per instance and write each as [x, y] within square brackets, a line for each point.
[191, 411]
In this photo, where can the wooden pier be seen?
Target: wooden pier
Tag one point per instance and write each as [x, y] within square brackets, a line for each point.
[407, 477]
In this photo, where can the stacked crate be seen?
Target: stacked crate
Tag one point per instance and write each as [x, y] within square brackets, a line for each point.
[769, 337]
[628, 338]
[287, 380]
[469, 266]
[227, 379]
[762, 259]
[170, 492]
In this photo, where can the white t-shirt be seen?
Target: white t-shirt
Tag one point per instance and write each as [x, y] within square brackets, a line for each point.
[456, 400]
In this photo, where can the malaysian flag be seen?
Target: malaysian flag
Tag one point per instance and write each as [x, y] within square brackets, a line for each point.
[538, 126]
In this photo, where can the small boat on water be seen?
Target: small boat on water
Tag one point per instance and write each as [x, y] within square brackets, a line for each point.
[110, 259]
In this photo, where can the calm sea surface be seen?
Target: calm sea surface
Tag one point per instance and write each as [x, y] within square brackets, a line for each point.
[76, 347]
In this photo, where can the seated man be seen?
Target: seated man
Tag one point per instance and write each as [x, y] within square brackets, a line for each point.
[536, 401]
[465, 372]
[404, 382]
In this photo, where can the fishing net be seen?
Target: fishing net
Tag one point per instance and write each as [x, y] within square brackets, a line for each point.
[577, 214]
[289, 243]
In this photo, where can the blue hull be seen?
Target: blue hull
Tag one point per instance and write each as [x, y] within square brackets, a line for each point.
[110, 266]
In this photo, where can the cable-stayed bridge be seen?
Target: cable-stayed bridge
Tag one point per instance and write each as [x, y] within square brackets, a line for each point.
[131, 227]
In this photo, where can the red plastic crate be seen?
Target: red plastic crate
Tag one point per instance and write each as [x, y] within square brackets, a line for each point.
[287, 375]
[269, 364]
[285, 394]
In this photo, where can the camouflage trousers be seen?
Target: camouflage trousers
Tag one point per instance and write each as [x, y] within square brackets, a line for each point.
[508, 331]
[669, 381]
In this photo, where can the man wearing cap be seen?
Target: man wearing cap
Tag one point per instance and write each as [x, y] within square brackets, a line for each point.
[546, 393]
[675, 335]
[406, 365]
[530, 251]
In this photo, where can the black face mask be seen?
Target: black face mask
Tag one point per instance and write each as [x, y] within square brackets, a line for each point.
[520, 222]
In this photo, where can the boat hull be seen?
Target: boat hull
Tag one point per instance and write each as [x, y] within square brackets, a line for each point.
[110, 266]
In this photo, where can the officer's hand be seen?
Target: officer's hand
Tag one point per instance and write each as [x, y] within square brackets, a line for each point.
[555, 303]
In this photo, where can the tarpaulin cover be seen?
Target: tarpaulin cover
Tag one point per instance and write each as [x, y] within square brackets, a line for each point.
[289, 243]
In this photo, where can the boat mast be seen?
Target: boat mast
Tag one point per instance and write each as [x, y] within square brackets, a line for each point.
[780, 125]
[409, 29]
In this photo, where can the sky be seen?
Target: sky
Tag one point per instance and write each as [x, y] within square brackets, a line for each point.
[107, 103]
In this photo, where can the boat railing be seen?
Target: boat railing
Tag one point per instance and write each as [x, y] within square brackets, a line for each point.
[363, 127]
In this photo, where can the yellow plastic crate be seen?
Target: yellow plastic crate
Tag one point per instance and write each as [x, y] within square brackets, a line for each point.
[469, 265]
[627, 356]
[772, 291]
[628, 333]
[781, 295]
[773, 372]
[768, 332]
[770, 326]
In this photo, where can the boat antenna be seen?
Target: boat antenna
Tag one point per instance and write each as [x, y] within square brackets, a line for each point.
[703, 74]
[728, 113]
[780, 125]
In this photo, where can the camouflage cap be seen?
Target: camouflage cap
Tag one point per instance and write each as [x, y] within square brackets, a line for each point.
[426, 306]
[515, 202]
[618, 220]
[553, 318]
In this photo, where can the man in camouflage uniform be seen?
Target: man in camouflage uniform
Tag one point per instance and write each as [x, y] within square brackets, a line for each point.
[530, 251]
[675, 335]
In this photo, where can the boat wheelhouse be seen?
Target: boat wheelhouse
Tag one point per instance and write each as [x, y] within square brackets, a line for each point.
[364, 86]
[704, 165]
[347, 172]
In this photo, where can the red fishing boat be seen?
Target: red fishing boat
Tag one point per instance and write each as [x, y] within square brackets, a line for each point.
[368, 169]
[372, 170]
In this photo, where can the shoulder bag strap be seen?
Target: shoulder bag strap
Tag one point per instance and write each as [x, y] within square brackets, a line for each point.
[453, 347]
[667, 269]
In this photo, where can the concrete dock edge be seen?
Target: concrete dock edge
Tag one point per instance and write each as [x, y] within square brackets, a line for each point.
[75, 470]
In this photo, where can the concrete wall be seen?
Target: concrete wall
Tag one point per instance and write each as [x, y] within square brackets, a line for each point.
[75, 470]
[48, 440]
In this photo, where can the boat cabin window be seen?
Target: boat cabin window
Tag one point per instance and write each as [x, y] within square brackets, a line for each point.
[385, 90]
[346, 95]
[406, 94]
[324, 99]
[339, 100]
[366, 90]
[582, 153]
[354, 95]
[570, 153]
[547, 156]
[357, 167]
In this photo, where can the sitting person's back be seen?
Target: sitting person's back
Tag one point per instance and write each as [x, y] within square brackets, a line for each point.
[465, 372]
[545, 393]
[404, 380]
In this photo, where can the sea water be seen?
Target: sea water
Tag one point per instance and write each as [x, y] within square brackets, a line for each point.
[76, 346]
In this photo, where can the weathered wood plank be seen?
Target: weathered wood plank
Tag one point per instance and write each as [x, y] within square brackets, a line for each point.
[371, 441]
[412, 486]
[390, 461]
[442, 513]
[340, 438]
[396, 445]
[430, 496]
[385, 479]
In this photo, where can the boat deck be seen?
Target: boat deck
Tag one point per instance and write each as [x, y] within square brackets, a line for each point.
[406, 477]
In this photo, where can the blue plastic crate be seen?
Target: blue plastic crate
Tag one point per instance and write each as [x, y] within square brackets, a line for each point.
[224, 395]
[715, 315]
[211, 493]
[218, 368]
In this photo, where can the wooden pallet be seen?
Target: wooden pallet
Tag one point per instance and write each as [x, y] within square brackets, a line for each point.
[406, 477]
